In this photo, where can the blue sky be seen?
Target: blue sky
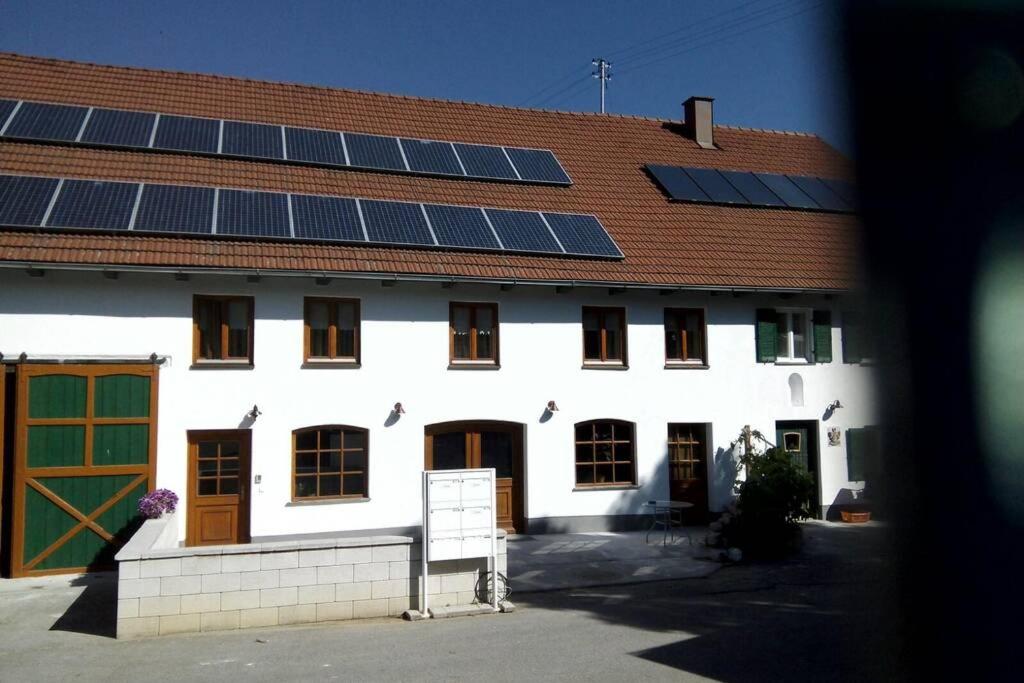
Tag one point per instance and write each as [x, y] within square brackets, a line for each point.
[767, 63]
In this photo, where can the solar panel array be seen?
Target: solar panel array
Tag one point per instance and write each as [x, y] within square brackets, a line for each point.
[743, 188]
[250, 140]
[36, 202]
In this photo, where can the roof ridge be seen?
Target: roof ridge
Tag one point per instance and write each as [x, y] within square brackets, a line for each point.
[375, 93]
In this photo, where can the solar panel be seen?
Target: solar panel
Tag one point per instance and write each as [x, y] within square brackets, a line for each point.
[93, 204]
[523, 231]
[485, 161]
[326, 218]
[374, 151]
[426, 156]
[581, 234]
[6, 107]
[842, 188]
[819, 192]
[461, 226]
[175, 208]
[395, 223]
[538, 164]
[116, 127]
[255, 214]
[715, 186]
[47, 121]
[252, 140]
[187, 134]
[316, 146]
[677, 184]
[754, 190]
[787, 191]
[23, 200]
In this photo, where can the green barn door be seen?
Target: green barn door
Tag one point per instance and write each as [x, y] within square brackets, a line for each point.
[85, 455]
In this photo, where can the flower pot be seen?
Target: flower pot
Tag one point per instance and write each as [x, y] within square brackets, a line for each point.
[858, 517]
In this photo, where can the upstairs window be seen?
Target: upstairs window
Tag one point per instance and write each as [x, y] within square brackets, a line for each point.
[685, 337]
[222, 329]
[793, 335]
[858, 343]
[605, 453]
[331, 331]
[604, 336]
[330, 462]
[473, 334]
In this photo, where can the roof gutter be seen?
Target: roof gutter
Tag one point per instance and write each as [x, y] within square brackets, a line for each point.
[37, 266]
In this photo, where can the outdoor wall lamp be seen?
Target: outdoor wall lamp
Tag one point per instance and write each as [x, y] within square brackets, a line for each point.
[398, 409]
[834, 405]
[254, 413]
[552, 408]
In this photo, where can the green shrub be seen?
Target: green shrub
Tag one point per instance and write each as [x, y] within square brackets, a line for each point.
[774, 496]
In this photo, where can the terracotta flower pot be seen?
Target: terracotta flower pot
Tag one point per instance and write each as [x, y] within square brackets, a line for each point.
[851, 517]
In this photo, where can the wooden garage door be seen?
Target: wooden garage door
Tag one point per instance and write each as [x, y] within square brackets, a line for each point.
[85, 454]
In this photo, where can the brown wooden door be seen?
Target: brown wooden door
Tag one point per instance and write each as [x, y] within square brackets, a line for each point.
[688, 469]
[471, 445]
[218, 487]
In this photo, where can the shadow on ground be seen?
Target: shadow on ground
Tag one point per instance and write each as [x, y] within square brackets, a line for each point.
[94, 611]
[822, 615]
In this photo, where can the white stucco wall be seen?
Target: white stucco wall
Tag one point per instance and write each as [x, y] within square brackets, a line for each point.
[405, 358]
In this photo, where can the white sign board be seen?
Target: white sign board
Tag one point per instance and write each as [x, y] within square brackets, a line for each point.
[459, 518]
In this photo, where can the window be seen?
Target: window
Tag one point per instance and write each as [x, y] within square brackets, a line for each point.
[605, 453]
[332, 331]
[604, 336]
[685, 336]
[793, 335]
[473, 334]
[685, 452]
[330, 462]
[222, 329]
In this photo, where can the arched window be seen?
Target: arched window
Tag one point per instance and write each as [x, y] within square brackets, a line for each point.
[605, 453]
[330, 462]
[796, 390]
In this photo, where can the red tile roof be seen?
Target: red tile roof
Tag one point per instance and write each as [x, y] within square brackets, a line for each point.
[666, 244]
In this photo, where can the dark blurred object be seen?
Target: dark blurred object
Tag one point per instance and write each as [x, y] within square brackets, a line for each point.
[938, 115]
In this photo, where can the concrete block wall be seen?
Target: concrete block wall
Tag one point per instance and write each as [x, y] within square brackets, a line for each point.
[165, 589]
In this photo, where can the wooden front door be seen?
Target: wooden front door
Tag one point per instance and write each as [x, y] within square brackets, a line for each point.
[688, 469]
[218, 487]
[798, 439]
[470, 445]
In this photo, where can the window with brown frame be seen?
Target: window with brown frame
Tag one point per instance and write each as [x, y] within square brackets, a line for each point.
[685, 336]
[604, 335]
[222, 329]
[473, 333]
[331, 330]
[330, 462]
[605, 453]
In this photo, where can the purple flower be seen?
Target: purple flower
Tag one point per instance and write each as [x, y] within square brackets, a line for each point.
[155, 503]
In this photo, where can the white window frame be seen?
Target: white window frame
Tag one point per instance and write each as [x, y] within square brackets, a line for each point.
[785, 356]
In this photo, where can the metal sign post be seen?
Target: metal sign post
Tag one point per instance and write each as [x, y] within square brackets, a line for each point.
[459, 522]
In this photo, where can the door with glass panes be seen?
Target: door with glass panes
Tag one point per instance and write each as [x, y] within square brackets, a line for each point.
[470, 445]
[688, 468]
[218, 487]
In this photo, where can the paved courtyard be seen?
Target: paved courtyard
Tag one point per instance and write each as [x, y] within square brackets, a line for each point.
[816, 617]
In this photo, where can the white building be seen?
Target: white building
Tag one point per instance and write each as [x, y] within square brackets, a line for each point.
[294, 372]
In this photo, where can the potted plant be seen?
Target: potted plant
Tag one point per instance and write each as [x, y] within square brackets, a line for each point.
[154, 504]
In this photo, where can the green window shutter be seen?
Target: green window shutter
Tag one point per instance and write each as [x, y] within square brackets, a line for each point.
[852, 352]
[767, 332]
[822, 336]
[855, 443]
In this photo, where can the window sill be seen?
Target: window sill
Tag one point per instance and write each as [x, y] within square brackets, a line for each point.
[602, 365]
[792, 361]
[222, 365]
[324, 501]
[473, 365]
[686, 365]
[312, 364]
[607, 487]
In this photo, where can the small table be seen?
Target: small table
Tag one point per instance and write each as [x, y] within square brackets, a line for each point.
[666, 514]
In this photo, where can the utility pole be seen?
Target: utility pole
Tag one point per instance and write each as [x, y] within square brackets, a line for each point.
[602, 74]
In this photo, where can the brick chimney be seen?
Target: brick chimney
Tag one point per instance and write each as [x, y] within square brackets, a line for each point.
[698, 118]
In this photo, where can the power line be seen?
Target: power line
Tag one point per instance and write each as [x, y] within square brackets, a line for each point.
[571, 75]
[643, 65]
[574, 86]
